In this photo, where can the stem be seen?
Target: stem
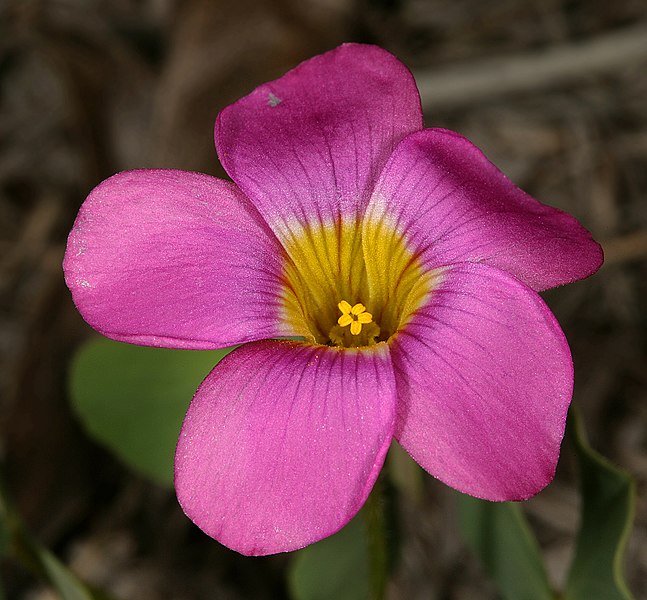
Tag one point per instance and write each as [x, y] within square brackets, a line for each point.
[377, 546]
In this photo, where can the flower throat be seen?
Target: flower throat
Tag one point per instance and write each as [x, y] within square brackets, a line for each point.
[351, 284]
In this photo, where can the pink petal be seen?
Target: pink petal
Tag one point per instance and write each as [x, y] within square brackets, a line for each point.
[454, 205]
[484, 379]
[311, 144]
[283, 442]
[177, 259]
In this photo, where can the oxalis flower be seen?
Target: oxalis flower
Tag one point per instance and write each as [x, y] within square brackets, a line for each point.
[406, 263]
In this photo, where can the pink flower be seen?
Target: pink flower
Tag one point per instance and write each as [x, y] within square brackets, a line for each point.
[405, 260]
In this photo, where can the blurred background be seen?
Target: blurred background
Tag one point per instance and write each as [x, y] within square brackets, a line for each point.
[553, 91]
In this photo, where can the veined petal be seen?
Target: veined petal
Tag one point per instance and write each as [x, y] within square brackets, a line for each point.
[310, 146]
[177, 259]
[283, 442]
[452, 204]
[484, 378]
[307, 149]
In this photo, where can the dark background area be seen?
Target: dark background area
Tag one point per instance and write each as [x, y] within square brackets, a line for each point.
[554, 92]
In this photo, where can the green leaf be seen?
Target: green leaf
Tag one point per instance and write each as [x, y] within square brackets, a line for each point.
[337, 567]
[497, 532]
[133, 399]
[60, 577]
[607, 514]
[46, 565]
[24, 548]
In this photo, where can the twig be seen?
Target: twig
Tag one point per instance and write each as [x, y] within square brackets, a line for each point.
[625, 248]
[487, 78]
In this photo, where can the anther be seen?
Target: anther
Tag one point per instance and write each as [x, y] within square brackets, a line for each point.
[355, 316]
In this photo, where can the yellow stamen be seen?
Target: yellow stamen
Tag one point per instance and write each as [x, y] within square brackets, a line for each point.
[365, 317]
[355, 316]
[344, 307]
[345, 320]
[357, 309]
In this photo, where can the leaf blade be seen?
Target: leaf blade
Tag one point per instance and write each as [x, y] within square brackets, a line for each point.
[497, 532]
[608, 506]
[336, 567]
[133, 399]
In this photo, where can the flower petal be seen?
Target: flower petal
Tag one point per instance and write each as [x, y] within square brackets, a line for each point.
[312, 144]
[484, 378]
[283, 442]
[454, 205]
[177, 259]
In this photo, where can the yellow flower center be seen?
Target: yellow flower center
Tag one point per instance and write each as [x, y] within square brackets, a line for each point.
[355, 326]
[351, 284]
[355, 316]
